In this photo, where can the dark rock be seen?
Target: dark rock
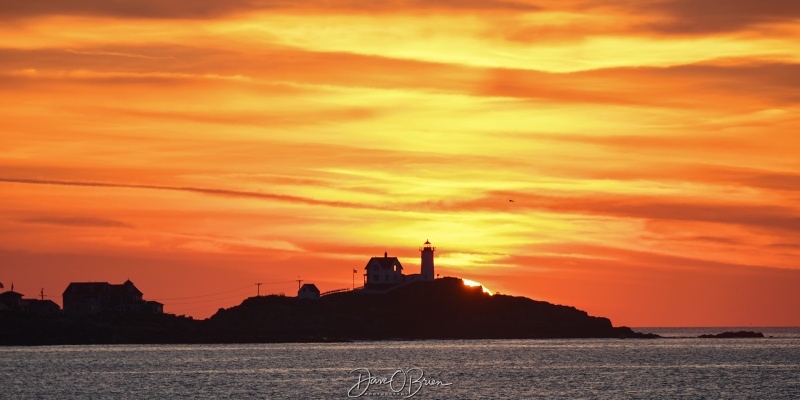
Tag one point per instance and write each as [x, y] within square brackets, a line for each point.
[440, 309]
[729, 335]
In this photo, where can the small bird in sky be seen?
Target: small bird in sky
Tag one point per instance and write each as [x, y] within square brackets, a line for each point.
[510, 201]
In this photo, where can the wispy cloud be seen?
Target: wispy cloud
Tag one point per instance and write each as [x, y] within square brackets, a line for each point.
[695, 17]
[203, 9]
[77, 222]
[660, 208]
[206, 191]
[647, 145]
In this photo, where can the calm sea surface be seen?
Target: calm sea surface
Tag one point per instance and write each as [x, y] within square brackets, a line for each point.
[484, 369]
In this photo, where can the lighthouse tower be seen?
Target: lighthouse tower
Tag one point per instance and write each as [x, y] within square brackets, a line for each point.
[426, 269]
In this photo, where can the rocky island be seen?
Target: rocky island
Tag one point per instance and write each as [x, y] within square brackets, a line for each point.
[439, 309]
[732, 335]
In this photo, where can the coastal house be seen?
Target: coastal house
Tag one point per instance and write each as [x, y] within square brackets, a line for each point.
[42, 307]
[85, 298]
[383, 272]
[11, 301]
[308, 291]
[387, 272]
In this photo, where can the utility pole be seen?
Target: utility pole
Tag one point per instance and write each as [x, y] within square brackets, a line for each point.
[42, 293]
[259, 288]
[299, 281]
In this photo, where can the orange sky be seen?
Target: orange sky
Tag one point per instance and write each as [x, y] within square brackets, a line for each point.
[197, 147]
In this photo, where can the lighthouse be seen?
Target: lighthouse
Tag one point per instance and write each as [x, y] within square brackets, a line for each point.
[426, 269]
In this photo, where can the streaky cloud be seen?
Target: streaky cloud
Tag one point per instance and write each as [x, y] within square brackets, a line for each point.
[201, 190]
[209, 9]
[772, 217]
[77, 222]
[697, 17]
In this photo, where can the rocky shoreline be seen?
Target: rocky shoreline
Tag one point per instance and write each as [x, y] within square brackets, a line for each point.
[440, 309]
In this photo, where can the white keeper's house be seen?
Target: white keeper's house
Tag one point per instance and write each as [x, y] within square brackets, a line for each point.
[386, 272]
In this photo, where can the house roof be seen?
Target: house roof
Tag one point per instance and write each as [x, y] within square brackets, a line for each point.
[42, 303]
[309, 286]
[11, 299]
[10, 293]
[86, 287]
[127, 284]
[385, 262]
[98, 287]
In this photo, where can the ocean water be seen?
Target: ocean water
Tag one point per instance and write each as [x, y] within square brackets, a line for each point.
[677, 368]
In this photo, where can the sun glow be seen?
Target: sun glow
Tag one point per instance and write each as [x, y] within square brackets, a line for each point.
[472, 283]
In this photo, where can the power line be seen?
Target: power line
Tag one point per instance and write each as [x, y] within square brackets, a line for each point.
[218, 293]
[216, 298]
[205, 301]
[203, 295]
[183, 307]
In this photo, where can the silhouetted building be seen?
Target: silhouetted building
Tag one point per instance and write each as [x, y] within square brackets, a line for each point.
[383, 272]
[11, 301]
[386, 272]
[42, 307]
[84, 298]
[426, 257]
[308, 291]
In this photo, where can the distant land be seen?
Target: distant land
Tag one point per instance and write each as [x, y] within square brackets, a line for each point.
[734, 335]
[440, 309]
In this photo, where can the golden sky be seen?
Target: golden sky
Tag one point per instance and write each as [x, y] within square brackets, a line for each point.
[197, 147]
